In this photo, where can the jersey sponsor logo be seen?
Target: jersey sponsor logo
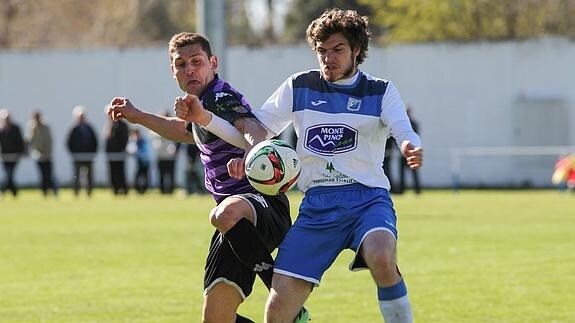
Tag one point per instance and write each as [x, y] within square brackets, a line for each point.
[353, 104]
[262, 267]
[318, 102]
[330, 139]
[225, 102]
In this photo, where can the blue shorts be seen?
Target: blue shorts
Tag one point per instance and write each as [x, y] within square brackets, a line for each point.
[330, 220]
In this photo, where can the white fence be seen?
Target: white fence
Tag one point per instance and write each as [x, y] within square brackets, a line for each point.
[463, 95]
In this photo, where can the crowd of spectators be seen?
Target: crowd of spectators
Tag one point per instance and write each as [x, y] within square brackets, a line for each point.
[118, 142]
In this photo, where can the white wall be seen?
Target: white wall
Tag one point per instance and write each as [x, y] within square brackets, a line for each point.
[462, 95]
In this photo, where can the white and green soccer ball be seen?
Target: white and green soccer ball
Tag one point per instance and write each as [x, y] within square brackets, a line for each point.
[272, 167]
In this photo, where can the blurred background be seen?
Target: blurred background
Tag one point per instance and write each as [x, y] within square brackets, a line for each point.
[491, 83]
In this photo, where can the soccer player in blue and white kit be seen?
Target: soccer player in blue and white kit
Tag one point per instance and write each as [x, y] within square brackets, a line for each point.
[342, 117]
[249, 225]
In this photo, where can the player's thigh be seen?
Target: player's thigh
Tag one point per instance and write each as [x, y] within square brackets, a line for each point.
[314, 241]
[271, 216]
[222, 265]
[231, 210]
[375, 230]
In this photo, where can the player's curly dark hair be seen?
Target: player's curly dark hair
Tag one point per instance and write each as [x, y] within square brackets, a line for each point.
[187, 38]
[349, 23]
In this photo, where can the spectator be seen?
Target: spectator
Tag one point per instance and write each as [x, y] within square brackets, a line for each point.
[116, 135]
[40, 145]
[403, 167]
[82, 144]
[166, 152]
[194, 168]
[11, 149]
[388, 157]
[141, 149]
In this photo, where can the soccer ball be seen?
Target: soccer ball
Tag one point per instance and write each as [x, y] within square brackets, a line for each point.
[272, 166]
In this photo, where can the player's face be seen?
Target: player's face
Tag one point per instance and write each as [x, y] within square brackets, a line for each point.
[336, 58]
[193, 69]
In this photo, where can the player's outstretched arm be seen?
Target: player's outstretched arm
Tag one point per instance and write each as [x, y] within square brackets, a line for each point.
[168, 127]
[253, 132]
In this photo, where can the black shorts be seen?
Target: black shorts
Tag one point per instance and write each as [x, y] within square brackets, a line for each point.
[272, 221]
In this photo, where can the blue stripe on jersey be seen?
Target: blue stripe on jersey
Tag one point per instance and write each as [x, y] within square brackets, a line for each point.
[306, 99]
[364, 97]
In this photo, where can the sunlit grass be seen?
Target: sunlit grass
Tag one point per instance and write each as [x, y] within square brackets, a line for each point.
[472, 256]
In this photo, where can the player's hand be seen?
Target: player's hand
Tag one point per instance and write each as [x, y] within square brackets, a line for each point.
[413, 155]
[190, 108]
[236, 168]
[122, 108]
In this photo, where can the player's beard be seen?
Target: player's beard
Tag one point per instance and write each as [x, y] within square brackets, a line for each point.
[347, 73]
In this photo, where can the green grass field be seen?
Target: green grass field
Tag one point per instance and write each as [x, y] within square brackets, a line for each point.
[471, 256]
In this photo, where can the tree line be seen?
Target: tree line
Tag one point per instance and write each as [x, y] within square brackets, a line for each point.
[103, 23]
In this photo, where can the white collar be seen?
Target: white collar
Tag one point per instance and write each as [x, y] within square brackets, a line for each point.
[348, 81]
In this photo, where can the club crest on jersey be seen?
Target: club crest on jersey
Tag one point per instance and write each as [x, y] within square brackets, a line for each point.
[353, 104]
[330, 139]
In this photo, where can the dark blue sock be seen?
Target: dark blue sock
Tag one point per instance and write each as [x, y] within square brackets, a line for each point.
[392, 292]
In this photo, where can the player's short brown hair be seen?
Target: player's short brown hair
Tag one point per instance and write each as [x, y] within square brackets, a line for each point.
[188, 38]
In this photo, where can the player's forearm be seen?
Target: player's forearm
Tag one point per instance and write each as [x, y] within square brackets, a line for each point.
[225, 131]
[253, 131]
[170, 128]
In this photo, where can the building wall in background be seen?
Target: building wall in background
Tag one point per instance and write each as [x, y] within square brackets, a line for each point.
[482, 94]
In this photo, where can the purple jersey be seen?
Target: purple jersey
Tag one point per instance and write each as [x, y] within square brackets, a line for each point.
[227, 103]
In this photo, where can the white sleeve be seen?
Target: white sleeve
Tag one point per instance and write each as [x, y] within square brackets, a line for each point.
[393, 115]
[226, 131]
[275, 113]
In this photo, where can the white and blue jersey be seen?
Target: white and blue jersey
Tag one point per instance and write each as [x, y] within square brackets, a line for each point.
[342, 126]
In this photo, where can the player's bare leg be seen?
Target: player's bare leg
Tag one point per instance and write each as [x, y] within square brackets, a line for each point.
[286, 298]
[221, 303]
[229, 212]
[379, 251]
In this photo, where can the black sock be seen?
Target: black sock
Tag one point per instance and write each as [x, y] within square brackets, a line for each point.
[247, 244]
[241, 319]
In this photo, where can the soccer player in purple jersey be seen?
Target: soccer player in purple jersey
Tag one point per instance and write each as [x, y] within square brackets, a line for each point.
[249, 225]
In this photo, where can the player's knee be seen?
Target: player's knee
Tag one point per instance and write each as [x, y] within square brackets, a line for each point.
[273, 309]
[383, 259]
[211, 317]
[224, 217]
